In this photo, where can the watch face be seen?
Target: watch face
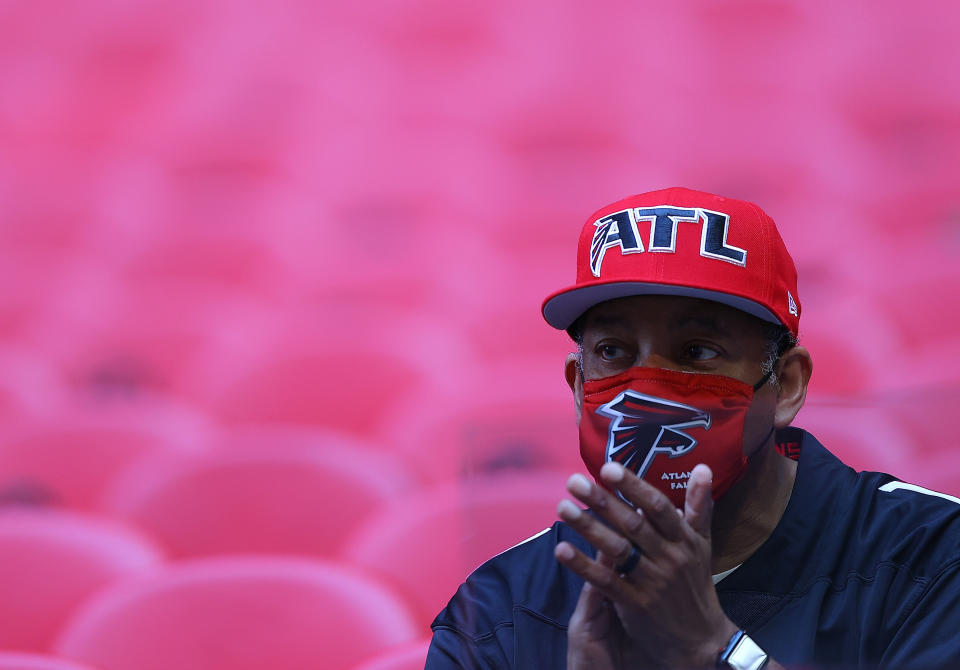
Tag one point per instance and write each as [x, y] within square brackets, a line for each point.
[747, 655]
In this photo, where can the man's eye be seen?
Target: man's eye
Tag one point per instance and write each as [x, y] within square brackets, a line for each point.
[699, 352]
[609, 351]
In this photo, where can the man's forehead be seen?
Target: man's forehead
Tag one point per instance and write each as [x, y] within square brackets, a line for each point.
[678, 311]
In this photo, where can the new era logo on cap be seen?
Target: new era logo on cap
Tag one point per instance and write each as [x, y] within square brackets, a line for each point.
[681, 242]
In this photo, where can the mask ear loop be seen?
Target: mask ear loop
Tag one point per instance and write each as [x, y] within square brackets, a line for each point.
[764, 380]
[757, 387]
[766, 377]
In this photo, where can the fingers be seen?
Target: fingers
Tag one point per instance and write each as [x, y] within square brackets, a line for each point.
[604, 578]
[601, 536]
[698, 507]
[655, 525]
[656, 506]
[629, 525]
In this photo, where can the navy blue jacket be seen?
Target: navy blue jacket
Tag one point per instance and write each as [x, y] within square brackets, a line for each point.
[861, 571]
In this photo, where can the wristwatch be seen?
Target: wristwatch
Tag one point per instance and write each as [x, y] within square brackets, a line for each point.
[742, 653]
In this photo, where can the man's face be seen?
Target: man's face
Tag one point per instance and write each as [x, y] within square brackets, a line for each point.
[672, 332]
[677, 333]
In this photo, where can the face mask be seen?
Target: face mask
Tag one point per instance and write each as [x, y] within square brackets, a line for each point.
[660, 423]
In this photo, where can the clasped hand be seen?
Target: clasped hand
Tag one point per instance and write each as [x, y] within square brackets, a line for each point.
[664, 612]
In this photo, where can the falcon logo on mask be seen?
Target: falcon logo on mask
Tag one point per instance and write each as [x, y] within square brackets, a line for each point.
[643, 426]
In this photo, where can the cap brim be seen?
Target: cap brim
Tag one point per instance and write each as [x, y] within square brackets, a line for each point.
[566, 306]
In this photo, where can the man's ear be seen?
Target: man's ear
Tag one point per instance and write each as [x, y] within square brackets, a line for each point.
[793, 374]
[571, 370]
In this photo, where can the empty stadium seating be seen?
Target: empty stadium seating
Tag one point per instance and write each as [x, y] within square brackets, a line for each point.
[434, 539]
[259, 498]
[69, 460]
[271, 278]
[411, 656]
[341, 369]
[238, 613]
[30, 387]
[17, 661]
[496, 420]
[120, 350]
[50, 561]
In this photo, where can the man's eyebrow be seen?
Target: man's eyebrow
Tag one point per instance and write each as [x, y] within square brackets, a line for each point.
[608, 321]
[702, 322]
[708, 323]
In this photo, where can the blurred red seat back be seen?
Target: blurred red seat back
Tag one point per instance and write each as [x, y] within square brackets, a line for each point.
[341, 370]
[314, 388]
[18, 661]
[515, 415]
[71, 460]
[410, 656]
[426, 545]
[299, 499]
[239, 613]
[130, 339]
[29, 386]
[50, 561]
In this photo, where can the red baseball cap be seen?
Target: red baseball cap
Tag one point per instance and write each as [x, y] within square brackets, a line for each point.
[682, 242]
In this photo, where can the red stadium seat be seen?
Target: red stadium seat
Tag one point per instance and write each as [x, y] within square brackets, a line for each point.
[925, 324]
[292, 388]
[120, 351]
[195, 257]
[51, 561]
[940, 473]
[907, 143]
[433, 540]
[69, 461]
[402, 266]
[926, 414]
[411, 656]
[280, 438]
[29, 387]
[294, 499]
[345, 372]
[852, 430]
[844, 361]
[239, 613]
[19, 310]
[17, 661]
[529, 335]
[517, 414]
[840, 367]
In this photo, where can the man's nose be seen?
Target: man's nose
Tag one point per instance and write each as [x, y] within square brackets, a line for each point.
[655, 359]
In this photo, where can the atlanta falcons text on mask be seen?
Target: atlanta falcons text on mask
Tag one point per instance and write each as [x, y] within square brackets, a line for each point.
[678, 480]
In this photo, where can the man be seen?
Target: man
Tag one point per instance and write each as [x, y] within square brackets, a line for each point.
[704, 544]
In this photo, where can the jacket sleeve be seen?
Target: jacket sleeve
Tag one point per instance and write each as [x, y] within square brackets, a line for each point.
[928, 637]
[450, 649]
[511, 612]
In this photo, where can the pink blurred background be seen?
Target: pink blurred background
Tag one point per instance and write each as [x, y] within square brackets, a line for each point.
[273, 271]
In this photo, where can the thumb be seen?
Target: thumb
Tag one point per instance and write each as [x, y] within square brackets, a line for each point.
[698, 507]
[593, 615]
